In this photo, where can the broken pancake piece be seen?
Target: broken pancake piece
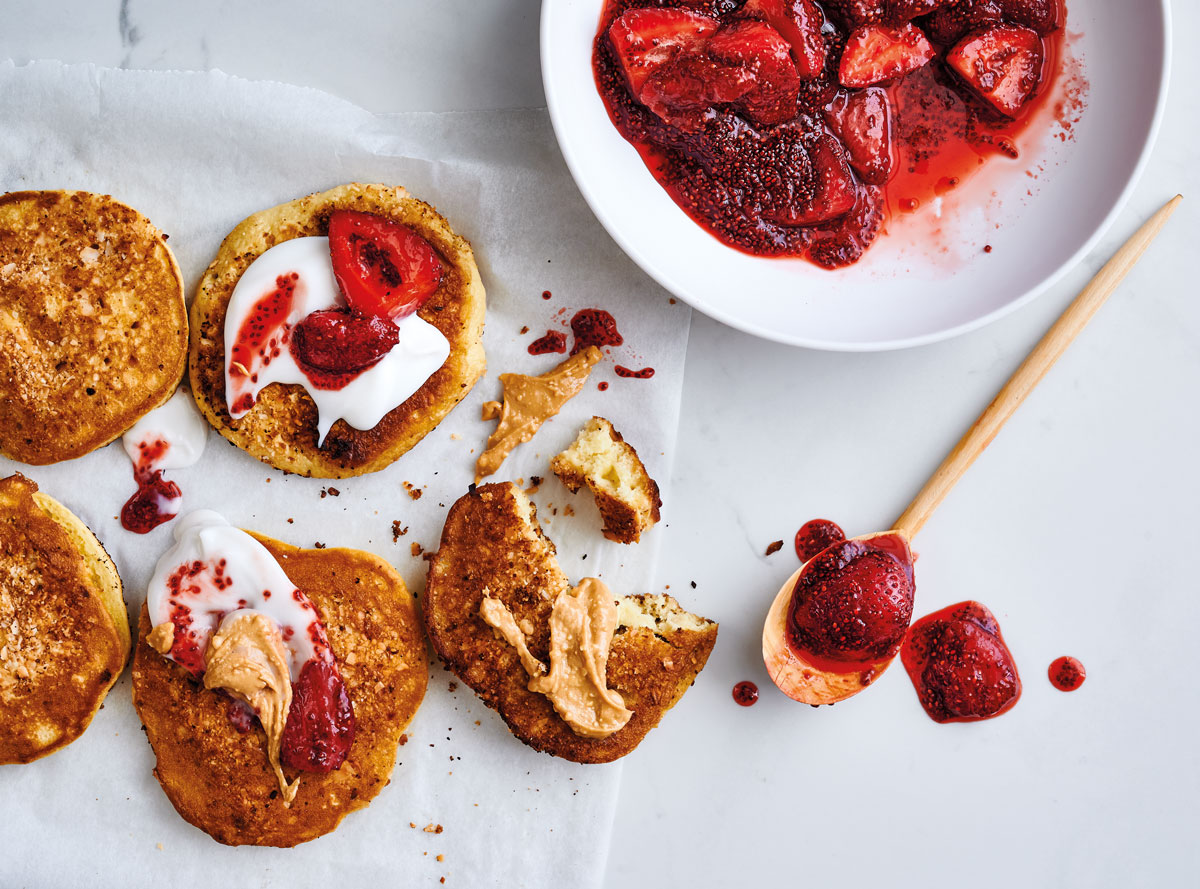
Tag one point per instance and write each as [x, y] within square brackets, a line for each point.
[64, 631]
[332, 333]
[528, 403]
[325, 647]
[494, 560]
[93, 328]
[625, 494]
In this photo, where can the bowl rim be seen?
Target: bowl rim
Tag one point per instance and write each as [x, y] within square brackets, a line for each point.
[663, 278]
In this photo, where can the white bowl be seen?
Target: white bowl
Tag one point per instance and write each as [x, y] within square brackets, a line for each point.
[1040, 215]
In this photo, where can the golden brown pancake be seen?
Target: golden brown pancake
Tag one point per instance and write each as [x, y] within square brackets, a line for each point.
[93, 329]
[220, 780]
[492, 541]
[64, 632]
[281, 429]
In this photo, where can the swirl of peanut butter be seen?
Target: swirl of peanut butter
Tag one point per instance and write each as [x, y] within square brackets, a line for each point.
[246, 658]
[582, 624]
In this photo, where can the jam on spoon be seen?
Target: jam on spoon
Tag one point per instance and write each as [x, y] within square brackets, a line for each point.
[832, 629]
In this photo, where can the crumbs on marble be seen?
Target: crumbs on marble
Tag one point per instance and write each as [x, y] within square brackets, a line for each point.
[773, 548]
[397, 531]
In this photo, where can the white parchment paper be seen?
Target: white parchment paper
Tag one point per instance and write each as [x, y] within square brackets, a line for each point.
[197, 153]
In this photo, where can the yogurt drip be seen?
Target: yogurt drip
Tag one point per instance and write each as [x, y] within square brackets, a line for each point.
[172, 436]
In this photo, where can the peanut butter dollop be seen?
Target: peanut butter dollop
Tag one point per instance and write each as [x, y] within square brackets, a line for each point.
[246, 658]
[528, 403]
[162, 637]
[582, 623]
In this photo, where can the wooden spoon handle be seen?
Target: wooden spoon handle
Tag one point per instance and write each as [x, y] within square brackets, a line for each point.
[1031, 371]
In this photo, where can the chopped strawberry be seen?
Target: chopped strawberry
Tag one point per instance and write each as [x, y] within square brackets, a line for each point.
[383, 268]
[828, 194]
[853, 13]
[1042, 16]
[949, 23]
[862, 119]
[1002, 65]
[643, 39]
[800, 22]
[877, 53]
[338, 341]
[746, 65]
[758, 48]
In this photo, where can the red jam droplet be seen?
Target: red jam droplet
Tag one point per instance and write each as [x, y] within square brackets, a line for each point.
[959, 665]
[1067, 674]
[852, 603]
[815, 536]
[644, 374]
[320, 724]
[745, 693]
[594, 327]
[553, 342]
[156, 499]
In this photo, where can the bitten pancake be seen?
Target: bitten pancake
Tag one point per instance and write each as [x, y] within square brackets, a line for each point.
[220, 780]
[93, 329]
[602, 459]
[281, 429]
[492, 542]
[64, 632]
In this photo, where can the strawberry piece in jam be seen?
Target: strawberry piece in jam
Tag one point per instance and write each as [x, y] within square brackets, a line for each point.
[1003, 66]
[800, 23]
[341, 342]
[878, 54]
[862, 119]
[852, 603]
[383, 268]
[817, 535]
[959, 664]
[320, 724]
[644, 39]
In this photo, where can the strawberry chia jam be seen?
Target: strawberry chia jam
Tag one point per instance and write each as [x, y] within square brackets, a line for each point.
[798, 127]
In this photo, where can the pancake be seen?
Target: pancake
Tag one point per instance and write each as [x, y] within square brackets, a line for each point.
[220, 780]
[93, 328]
[64, 632]
[281, 429]
[492, 542]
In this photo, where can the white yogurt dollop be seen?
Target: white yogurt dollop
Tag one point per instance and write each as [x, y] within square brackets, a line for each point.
[214, 570]
[363, 401]
[178, 425]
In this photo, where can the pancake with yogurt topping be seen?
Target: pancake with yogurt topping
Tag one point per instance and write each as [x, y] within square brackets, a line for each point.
[93, 328]
[220, 777]
[284, 427]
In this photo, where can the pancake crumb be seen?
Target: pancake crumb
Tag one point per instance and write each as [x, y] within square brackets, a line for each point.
[773, 548]
[397, 531]
[416, 549]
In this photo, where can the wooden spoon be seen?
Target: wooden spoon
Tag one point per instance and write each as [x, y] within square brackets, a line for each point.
[813, 679]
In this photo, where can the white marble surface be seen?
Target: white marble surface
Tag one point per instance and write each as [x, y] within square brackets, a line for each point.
[1078, 526]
